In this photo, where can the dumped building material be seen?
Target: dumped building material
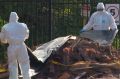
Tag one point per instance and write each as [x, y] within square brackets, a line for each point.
[78, 58]
[81, 58]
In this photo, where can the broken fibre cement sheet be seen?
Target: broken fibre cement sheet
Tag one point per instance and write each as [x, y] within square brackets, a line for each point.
[45, 50]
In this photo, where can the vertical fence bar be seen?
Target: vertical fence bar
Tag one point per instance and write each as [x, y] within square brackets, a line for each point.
[50, 22]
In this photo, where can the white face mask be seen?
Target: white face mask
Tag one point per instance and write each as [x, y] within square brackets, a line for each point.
[13, 17]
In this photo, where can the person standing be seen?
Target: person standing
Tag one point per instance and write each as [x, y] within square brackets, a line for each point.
[100, 20]
[15, 33]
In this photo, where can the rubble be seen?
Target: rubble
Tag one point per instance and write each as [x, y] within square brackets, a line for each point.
[79, 58]
[83, 58]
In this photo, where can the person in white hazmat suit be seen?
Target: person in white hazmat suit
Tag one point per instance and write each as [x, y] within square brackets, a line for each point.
[15, 33]
[100, 20]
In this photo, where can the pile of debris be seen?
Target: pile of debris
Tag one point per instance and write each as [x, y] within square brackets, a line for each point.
[81, 58]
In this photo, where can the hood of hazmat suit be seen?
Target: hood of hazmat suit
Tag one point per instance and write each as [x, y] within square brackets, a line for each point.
[13, 17]
[100, 6]
[15, 34]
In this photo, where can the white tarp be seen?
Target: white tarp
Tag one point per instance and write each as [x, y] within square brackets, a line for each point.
[45, 50]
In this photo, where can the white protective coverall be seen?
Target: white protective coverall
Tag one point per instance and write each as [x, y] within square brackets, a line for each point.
[15, 33]
[101, 20]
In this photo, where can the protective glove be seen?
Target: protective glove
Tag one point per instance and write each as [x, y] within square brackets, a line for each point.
[82, 30]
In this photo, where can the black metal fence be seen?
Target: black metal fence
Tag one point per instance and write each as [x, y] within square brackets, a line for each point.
[69, 16]
[48, 19]
[35, 13]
